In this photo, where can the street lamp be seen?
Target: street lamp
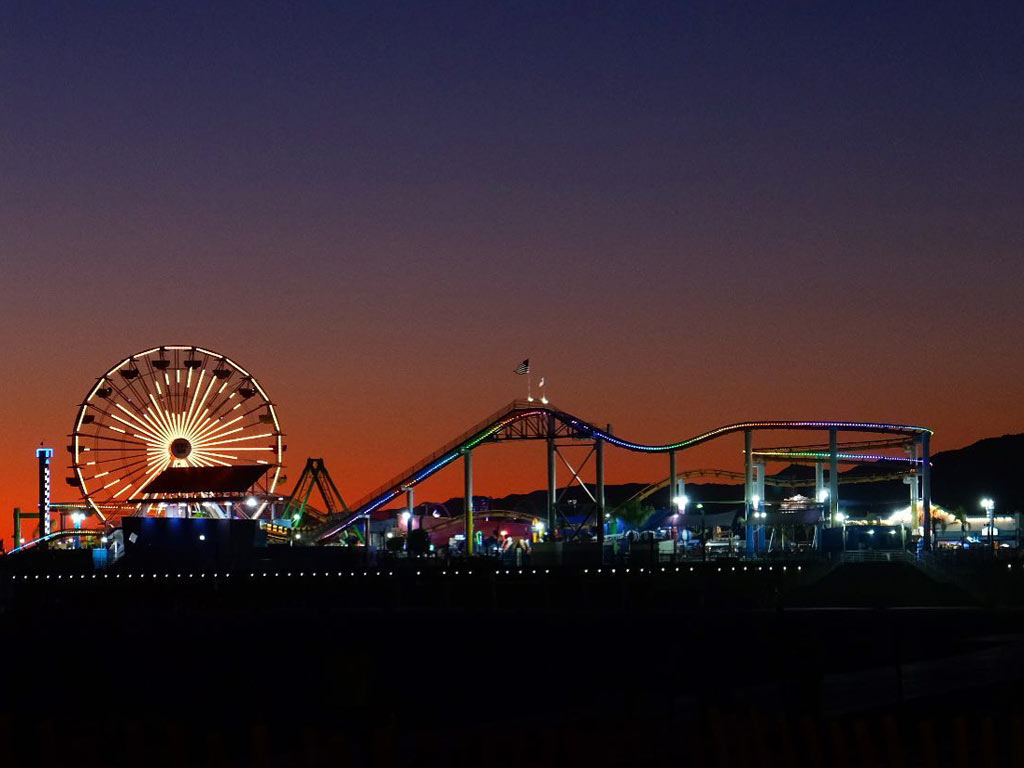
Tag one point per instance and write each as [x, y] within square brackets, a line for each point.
[988, 505]
[680, 503]
[756, 513]
[703, 534]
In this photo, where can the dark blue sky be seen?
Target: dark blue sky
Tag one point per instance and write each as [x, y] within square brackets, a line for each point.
[685, 213]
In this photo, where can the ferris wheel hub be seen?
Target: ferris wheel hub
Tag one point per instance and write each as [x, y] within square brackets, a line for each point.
[181, 448]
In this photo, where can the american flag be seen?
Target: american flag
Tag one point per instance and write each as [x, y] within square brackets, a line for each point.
[523, 368]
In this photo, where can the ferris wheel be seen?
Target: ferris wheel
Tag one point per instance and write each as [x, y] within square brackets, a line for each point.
[172, 406]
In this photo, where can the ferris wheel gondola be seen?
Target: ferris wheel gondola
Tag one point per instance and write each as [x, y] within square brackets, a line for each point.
[172, 406]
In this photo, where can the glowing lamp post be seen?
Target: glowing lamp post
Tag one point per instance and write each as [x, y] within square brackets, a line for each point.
[758, 514]
[406, 518]
[988, 505]
[76, 519]
[680, 503]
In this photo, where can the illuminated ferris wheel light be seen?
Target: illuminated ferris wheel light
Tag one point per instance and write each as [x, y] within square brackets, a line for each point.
[171, 406]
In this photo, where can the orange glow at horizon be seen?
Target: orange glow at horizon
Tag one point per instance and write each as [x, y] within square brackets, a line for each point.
[372, 437]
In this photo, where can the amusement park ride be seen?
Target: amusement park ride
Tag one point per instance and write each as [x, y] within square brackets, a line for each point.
[183, 431]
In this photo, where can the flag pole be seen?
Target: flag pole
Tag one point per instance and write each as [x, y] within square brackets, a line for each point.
[529, 386]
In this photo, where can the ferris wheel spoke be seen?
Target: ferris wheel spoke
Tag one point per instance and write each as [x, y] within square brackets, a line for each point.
[137, 472]
[220, 455]
[158, 424]
[214, 429]
[142, 423]
[114, 416]
[149, 395]
[121, 392]
[119, 463]
[240, 439]
[112, 439]
[220, 391]
[215, 411]
[160, 416]
[121, 454]
[222, 407]
[149, 436]
[156, 471]
[200, 431]
[235, 431]
[253, 410]
[195, 411]
[250, 448]
[138, 403]
[115, 388]
[164, 416]
[208, 458]
[202, 426]
[186, 416]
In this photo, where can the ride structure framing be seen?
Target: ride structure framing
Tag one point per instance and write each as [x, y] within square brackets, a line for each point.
[314, 477]
[525, 420]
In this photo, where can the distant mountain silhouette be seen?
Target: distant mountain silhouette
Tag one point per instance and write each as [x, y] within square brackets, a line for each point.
[988, 467]
[960, 477]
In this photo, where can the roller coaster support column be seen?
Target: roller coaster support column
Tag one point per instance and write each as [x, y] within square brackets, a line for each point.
[819, 498]
[748, 488]
[673, 484]
[913, 481]
[762, 535]
[552, 484]
[926, 488]
[467, 461]
[833, 478]
[599, 458]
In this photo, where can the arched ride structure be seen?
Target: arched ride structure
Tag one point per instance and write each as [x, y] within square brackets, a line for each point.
[523, 420]
[175, 407]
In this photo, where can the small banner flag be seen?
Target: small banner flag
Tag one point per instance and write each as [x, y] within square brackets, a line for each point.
[523, 368]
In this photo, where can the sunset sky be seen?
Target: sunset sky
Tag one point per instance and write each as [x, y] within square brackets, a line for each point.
[685, 214]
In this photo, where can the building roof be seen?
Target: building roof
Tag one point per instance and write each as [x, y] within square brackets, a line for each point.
[221, 480]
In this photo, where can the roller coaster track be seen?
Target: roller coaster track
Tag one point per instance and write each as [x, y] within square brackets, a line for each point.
[71, 533]
[653, 488]
[527, 420]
